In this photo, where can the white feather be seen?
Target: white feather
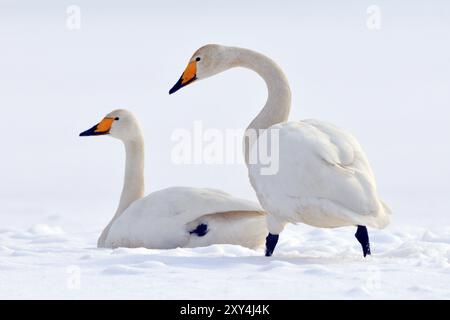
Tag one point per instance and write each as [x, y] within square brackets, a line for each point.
[164, 219]
[324, 179]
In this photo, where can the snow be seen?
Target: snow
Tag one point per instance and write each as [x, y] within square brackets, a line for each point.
[309, 263]
[390, 88]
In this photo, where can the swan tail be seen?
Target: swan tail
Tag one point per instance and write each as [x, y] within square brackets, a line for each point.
[386, 208]
[382, 218]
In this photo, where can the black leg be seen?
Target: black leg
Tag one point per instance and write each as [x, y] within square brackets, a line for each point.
[271, 242]
[363, 238]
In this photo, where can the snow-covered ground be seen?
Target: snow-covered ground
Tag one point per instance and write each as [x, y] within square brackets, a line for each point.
[47, 262]
[390, 87]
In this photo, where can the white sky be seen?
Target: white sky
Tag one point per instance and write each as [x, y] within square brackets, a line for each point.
[389, 87]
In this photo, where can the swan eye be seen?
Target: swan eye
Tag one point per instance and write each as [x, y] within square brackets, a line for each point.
[198, 59]
[117, 118]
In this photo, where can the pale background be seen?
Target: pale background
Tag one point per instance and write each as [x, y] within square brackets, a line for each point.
[389, 87]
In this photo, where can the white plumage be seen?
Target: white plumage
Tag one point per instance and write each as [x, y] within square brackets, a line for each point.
[324, 179]
[173, 217]
[165, 218]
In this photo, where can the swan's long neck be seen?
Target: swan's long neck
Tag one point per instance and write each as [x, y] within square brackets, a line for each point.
[133, 186]
[278, 103]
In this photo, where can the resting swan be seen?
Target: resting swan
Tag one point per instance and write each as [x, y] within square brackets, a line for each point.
[324, 178]
[173, 217]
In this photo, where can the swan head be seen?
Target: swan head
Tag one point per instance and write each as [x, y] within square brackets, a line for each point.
[120, 124]
[207, 61]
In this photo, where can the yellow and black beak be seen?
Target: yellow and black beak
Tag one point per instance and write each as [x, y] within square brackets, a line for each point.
[99, 129]
[189, 75]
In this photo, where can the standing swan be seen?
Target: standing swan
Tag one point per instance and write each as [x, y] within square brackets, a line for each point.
[173, 217]
[324, 178]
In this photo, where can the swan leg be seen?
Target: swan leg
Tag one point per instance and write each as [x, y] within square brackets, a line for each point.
[271, 242]
[363, 238]
[201, 230]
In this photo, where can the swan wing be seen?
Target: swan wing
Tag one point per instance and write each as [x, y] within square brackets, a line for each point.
[187, 204]
[164, 218]
[322, 170]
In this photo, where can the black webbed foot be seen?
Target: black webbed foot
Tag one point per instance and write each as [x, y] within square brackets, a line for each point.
[271, 242]
[363, 238]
